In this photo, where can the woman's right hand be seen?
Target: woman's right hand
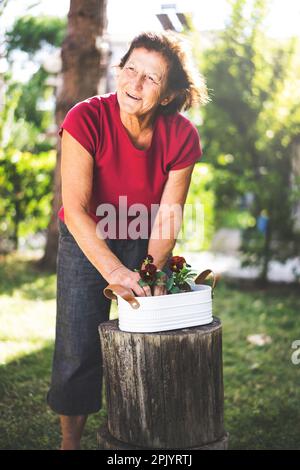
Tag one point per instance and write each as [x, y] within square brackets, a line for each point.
[127, 278]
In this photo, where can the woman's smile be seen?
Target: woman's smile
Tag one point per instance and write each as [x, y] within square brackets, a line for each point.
[133, 96]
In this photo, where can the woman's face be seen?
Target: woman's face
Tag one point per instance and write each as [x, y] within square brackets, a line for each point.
[142, 82]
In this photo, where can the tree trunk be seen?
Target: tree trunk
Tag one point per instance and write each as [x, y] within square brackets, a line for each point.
[163, 390]
[84, 63]
[266, 255]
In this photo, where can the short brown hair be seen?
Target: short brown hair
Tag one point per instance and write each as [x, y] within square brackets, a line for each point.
[183, 78]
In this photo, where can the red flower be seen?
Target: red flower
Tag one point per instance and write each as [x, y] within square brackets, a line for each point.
[148, 274]
[151, 268]
[176, 263]
[149, 259]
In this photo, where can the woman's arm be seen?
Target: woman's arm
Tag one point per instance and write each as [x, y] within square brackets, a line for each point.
[77, 179]
[168, 221]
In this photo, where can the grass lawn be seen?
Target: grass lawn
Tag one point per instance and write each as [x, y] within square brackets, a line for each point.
[262, 385]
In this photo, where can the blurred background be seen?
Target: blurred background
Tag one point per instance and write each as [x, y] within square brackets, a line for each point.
[56, 53]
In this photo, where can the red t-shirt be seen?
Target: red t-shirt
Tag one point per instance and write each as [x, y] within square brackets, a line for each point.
[120, 169]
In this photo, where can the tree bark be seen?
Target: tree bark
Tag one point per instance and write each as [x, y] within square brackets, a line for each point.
[84, 64]
[163, 390]
[266, 258]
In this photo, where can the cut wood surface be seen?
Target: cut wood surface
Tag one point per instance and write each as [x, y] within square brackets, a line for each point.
[164, 390]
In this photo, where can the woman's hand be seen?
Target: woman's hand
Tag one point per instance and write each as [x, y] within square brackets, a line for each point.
[129, 279]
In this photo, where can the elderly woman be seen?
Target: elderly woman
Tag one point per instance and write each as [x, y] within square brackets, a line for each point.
[131, 145]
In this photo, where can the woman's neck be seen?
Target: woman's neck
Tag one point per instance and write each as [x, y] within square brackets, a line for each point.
[136, 125]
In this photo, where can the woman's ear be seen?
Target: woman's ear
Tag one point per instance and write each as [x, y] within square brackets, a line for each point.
[168, 99]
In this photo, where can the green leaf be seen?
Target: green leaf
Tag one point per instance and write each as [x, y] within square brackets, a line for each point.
[175, 290]
[170, 283]
[184, 270]
[160, 274]
[191, 276]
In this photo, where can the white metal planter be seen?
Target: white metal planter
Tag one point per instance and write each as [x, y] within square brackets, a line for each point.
[163, 312]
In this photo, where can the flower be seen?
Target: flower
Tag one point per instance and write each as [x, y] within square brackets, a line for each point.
[151, 268]
[176, 263]
[148, 273]
[181, 276]
[179, 281]
[148, 259]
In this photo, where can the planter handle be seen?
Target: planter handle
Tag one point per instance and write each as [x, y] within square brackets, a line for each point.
[202, 276]
[122, 292]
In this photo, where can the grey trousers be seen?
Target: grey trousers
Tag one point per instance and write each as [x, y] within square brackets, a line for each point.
[76, 382]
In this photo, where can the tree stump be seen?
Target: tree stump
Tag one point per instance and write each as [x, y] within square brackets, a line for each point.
[163, 390]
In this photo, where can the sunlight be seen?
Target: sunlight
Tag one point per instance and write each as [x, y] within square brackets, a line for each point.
[26, 326]
[135, 15]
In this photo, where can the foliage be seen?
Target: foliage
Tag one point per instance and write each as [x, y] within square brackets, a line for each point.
[27, 159]
[31, 34]
[199, 215]
[250, 127]
[31, 110]
[35, 36]
[25, 178]
[25, 194]
[261, 383]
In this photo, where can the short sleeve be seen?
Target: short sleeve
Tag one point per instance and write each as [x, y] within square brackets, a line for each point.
[82, 122]
[188, 147]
